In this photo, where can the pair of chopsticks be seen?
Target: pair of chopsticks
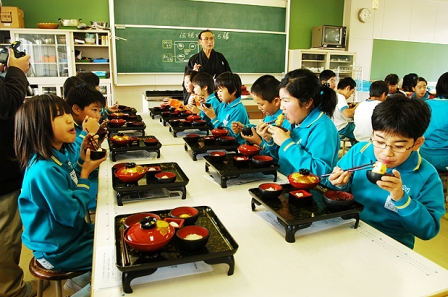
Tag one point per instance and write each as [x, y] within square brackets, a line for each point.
[360, 167]
[95, 145]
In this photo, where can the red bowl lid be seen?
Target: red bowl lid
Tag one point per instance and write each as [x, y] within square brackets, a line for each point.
[149, 231]
[135, 218]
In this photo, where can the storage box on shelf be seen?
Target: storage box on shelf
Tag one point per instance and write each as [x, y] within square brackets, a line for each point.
[11, 17]
[341, 62]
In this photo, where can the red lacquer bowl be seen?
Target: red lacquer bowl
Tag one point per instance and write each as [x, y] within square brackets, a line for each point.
[120, 139]
[149, 234]
[117, 122]
[303, 179]
[130, 173]
[248, 150]
[219, 132]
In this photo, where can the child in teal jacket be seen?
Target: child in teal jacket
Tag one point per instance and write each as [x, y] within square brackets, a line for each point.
[409, 201]
[55, 192]
[228, 86]
[312, 142]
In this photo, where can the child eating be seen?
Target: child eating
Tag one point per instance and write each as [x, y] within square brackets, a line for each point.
[408, 201]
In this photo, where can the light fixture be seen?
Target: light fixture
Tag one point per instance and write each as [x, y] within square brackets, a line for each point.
[375, 4]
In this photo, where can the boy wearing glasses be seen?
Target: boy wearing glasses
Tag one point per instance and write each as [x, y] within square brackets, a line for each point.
[409, 202]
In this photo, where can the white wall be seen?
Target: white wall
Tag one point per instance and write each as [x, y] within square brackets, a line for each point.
[405, 20]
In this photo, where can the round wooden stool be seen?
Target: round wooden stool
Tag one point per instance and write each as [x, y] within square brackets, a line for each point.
[44, 274]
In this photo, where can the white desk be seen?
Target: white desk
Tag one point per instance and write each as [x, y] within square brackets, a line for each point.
[340, 261]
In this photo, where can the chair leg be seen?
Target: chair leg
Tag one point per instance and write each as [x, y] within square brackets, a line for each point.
[88, 219]
[40, 288]
[58, 288]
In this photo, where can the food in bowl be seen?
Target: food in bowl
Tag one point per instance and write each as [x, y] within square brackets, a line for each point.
[188, 213]
[300, 198]
[270, 190]
[379, 167]
[165, 177]
[192, 238]
[303, 179]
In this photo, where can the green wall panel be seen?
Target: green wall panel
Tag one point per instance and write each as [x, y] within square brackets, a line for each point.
[305, 14]
[41, 11]
[403, 57]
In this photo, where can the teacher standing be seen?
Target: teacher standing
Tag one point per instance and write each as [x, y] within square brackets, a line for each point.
[208, 60]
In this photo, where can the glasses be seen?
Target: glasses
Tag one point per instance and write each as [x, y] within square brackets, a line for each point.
[394, 147]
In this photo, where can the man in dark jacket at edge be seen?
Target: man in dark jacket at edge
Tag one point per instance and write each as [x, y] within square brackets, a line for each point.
[12, 94]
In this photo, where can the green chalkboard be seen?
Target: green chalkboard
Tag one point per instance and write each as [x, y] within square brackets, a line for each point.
[403, 57]
[199, 14]
[163, 50]
[162, 35]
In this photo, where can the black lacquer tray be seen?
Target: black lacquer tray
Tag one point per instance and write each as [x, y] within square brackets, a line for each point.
[175, 129]
[149, 182]
[153, 112]
[136, 145]
[165, 118]
[199, 147]
[227, 169]
[294, 218]
[125, 127]
[220, 249]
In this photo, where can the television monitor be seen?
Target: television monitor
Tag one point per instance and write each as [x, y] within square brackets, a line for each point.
[327, 36]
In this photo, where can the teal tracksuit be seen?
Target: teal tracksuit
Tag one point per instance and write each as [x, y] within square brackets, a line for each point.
[53, 205]
[418, 213]
[435, 147]
[313, 145]
[226, 113]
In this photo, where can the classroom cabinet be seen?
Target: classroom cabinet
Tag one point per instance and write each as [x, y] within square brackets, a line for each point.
[58, 54]
[341, 62]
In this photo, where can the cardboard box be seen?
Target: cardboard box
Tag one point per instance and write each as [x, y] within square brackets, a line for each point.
[12, 17]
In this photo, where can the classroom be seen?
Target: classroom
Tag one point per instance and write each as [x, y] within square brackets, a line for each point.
[139, 49]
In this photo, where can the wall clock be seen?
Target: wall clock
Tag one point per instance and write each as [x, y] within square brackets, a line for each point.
[364, 15]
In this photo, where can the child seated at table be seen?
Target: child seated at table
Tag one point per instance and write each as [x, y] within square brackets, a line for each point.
[55, 192]
[204, 93]
[228, 86]
[421, 90]
[92, 79]
[85, 103]
[408, 201]
[312, 141]
[264, 92]
[343, 114]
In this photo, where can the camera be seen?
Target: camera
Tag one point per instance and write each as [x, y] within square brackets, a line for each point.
[4, 53]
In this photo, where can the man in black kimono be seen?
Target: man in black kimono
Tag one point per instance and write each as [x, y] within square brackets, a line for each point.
[207, 60]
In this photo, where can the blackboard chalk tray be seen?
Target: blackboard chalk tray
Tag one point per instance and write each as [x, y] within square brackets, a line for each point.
[220, 248]
[227, 168]
[294, 218]
[137, 144]
[200, 147]
[175, 129]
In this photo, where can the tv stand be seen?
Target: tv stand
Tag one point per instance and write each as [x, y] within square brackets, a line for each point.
[319, 59]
